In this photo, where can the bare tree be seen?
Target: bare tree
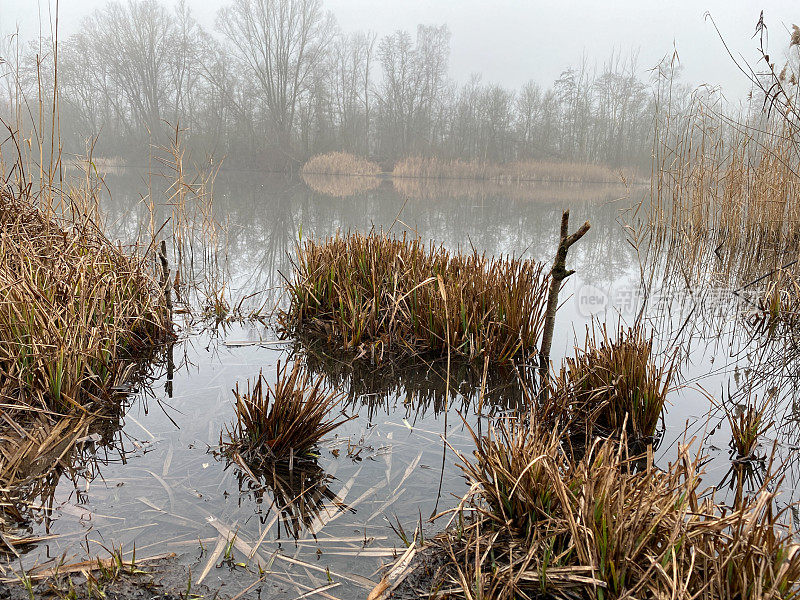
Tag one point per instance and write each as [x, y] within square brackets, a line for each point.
[414, 73]
[279, 43]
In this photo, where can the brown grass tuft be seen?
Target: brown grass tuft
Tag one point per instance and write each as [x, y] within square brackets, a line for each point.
[80, 319]
[615, 385]
[607, 526]
[72, 305]
[748, 422]
[376, 295]
[279, 422]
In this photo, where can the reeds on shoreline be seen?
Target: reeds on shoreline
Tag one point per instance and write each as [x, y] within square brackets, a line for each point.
[396, 297]
[725, 196]
[72, 305]
[78, 316]
[340, 163]
[420, 167]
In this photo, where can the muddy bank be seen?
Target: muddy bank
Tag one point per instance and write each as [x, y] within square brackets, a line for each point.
[426, 574]
[165, 580]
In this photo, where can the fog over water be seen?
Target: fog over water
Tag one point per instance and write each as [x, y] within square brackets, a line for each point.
[472, 126]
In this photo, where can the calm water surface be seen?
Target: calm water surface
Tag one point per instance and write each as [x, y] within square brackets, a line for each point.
[161, 488]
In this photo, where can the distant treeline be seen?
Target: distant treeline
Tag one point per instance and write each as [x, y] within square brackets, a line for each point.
[278, 81]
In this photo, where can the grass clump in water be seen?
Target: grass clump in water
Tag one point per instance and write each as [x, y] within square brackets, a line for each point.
[377, 295]
[607, 526]
[611, 385]
[74, 309]
[748, 422]
[281, 421]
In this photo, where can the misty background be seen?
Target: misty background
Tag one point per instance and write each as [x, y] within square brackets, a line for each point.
[268, 83]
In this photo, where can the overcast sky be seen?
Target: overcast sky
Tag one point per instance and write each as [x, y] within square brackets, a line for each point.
[511, 41]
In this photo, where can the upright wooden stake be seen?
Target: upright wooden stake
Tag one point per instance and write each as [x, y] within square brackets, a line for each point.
[165, 282]
[557, 276]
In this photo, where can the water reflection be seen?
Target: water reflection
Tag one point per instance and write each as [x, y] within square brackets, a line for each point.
[389, 462]
[418, 385]
[69, 452]
[294, 495]
[340, 186]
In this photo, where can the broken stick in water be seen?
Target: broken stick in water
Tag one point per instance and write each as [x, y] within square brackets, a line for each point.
[557, 276]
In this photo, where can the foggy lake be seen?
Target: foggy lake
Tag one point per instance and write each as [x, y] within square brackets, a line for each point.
[305, 298]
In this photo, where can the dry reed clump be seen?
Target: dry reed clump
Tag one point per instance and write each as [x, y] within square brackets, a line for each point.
[282, 421]
[340, 163]
[74, 310]
[615, 385]
[340, 186]
[607, 526]
[377, 295]
[508, 173]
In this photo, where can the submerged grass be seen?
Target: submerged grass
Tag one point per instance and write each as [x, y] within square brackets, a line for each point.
[300, 493]
[378, 295]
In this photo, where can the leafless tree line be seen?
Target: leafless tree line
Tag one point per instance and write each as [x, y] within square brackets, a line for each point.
[276, 81]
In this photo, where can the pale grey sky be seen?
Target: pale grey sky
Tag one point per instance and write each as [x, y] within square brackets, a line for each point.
[511, 41]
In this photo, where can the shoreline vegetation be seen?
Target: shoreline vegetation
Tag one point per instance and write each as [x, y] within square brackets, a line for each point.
[340, 163]
[543, 521]
[518, 172]
[81, 320]
[431, 169]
